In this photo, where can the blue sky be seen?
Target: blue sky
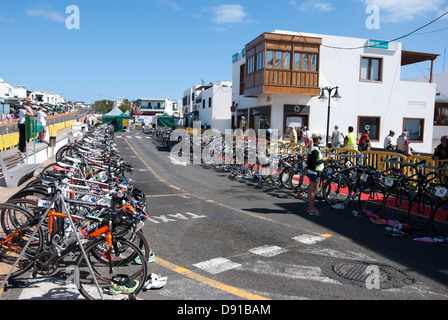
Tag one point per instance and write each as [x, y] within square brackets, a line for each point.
[159, 48]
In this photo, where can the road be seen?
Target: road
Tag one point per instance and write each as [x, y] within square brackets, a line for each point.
[219, 239]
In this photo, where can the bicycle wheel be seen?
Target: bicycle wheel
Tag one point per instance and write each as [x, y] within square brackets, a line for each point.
[371, 199]
[396, 205]
[337, 190]
[107, 265]
[420, 212]
[18, 224]
[299, 181]
[439, 220]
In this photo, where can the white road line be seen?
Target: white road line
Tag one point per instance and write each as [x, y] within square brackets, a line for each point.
[308, 238]
[268, 251]
[217, 265]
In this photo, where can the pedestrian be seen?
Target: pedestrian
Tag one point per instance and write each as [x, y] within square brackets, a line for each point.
[25, 110]
[337, 137]
[365, 146]
[388, 145]
[306, 135]
[42, 118]
[350, 140]
[316, 164]
[293, 135]
[441, 152]
[403, 144]
[365, 135]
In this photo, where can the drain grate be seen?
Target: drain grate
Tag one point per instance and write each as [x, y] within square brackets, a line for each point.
[356, 274]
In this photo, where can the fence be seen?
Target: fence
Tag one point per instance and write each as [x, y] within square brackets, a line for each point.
[11, 140]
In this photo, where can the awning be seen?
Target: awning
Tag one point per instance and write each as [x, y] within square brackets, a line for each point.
[411, 57]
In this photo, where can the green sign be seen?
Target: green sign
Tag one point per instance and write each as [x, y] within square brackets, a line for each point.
[379, 44]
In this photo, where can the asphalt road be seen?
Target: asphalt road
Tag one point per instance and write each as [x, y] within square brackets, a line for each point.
[220, 239]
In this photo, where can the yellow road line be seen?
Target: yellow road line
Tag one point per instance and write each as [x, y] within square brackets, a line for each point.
[213, 283]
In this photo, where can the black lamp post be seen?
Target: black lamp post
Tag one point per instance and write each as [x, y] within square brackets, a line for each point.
[336, 97]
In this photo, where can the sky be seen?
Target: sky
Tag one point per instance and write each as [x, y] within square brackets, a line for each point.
[88, 50]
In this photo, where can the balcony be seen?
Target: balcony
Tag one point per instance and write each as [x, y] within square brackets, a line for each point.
[283, 64]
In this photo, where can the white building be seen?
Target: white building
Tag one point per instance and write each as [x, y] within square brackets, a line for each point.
[281, 76]
[210, 104]
[144, 109]
[47, 98]
[440, 82]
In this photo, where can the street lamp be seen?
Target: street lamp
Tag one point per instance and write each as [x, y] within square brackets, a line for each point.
[336, 97]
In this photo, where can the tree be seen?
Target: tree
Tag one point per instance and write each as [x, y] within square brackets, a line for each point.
[102, 106]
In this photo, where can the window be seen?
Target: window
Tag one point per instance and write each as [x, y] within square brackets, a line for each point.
[414, 127]
[297, 59]
[371, 69]
[441, 114]
[287, 60]
[250, 65]
[260, 60]
[210, 102]
[369, 123]
[270, 62]
[306, 61]
[278, 59]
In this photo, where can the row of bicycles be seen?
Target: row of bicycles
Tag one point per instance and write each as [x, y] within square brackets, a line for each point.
[80, 216]
[399, 193]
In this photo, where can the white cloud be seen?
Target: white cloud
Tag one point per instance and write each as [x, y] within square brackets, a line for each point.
[312, 5]
[47, 14]
[228, 14]
[407, 10]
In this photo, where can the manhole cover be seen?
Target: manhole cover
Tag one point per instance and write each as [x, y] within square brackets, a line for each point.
[360, 273]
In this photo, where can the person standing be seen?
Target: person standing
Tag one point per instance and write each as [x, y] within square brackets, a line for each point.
[364, 136]
[293, 135]
[316, 164]
[350, 140]
[306, 136]
[403, 144]
[441, 152]
[337, 138]
[388, 141]
[42, 118]
[25, 111]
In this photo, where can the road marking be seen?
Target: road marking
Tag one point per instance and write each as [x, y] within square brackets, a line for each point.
[192, 275]
[177, 162]
[308, 239]
[268, 251]
[217, 265]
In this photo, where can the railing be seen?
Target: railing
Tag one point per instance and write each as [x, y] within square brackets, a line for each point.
[11, 140]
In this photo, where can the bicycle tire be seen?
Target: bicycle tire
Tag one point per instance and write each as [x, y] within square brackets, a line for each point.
[109, 265]
[11, 249]
[396, 205]
[439, 220]
[337, 190]
[420, 212]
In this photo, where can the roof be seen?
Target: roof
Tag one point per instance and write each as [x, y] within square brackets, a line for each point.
[410, 57]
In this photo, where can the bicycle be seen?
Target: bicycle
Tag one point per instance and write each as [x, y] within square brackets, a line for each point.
[104, 256]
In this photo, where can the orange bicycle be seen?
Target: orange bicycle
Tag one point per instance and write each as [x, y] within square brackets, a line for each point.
[106, 265]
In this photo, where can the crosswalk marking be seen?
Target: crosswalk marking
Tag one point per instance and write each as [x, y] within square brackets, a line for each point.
[308, 238]
[217, 265]
[268, 251]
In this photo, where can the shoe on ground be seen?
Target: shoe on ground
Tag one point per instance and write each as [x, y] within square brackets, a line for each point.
[313, 212]
[338, 206]
[359, 214]
[155, 281]
[122, 285]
